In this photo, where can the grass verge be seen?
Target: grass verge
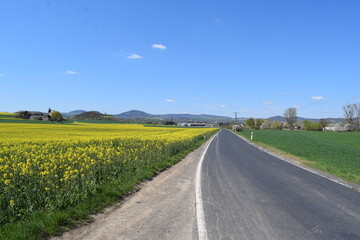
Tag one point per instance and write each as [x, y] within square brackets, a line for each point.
[337, 153]
[44, 224]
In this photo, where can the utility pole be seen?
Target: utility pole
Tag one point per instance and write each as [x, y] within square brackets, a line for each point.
[235, 116]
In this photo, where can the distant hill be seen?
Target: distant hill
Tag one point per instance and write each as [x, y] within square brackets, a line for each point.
[133, 114]
[92, 115]
[72, 113]
[136, 114]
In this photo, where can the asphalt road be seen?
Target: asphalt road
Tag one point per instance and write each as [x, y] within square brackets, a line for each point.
[249, 194]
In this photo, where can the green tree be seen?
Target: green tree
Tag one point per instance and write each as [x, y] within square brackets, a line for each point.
[258, 123]
[311, 126]
[250, 123]
[56, 116]
[277, 125]
[23, 115]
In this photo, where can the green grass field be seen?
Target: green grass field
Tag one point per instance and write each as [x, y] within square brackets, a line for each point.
[337, 153]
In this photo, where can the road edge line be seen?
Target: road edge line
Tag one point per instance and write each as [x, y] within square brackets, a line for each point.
[317, 172]
[200, 217]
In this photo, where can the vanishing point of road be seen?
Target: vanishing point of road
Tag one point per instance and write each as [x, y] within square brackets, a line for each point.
[249, 194]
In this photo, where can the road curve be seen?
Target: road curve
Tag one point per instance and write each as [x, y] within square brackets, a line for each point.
[249, 194]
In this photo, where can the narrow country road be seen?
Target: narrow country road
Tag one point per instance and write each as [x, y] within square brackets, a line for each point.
[249, 194]
[245, 194]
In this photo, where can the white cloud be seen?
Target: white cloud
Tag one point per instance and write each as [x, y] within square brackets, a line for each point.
[223, 106]
[134, 56]
[317, 98]
[159, 46]
[195, 98]
[169, 100]
[268, 102]
[356, 98]
[70, 72]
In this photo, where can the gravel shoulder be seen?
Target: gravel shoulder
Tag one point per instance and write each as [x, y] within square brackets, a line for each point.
[163, 208]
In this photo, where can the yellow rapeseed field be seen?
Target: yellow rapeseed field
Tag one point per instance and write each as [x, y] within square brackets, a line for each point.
[49, 166]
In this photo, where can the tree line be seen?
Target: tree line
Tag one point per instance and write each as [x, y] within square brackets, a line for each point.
[351, 121]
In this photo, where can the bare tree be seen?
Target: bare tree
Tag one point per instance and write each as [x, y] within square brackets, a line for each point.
[290, 117]
[357, 115]
[323, 122]
[352, 114]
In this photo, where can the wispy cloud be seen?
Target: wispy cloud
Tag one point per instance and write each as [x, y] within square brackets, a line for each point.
[159, 46]
[317, 98]
[268, 102]
[1, 75]
[70, 72]
[223, 106]
[134, 56]
[288, 93]
[169, 100]
[356, 98]
[218, 21]
[195, 98]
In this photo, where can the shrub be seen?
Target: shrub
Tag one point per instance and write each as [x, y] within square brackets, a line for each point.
[250, 123]
[277, 126]
[56, 116]
[258, 123]
[23, 115]
[311, 126]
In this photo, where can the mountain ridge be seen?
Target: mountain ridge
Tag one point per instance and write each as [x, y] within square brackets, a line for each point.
[137, 114]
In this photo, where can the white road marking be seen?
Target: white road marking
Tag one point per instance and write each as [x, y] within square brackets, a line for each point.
[200, 217]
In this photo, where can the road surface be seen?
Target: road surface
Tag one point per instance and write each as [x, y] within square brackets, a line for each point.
[249, 194]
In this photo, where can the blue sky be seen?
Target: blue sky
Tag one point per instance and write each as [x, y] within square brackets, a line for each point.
[254, 57]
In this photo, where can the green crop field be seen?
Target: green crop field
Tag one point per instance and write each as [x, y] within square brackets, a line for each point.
[337, 153]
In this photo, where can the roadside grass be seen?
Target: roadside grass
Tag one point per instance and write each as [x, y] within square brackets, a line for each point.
[337, 153]
[44, 224]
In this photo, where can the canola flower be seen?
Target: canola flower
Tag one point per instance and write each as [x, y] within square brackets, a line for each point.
[50, 166]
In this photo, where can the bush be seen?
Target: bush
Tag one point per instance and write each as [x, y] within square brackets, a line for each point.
[250, 123]
[277, 126]
[258, 123]
[236, 128]
[23, 115]
[311, 126]
[56, 116]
